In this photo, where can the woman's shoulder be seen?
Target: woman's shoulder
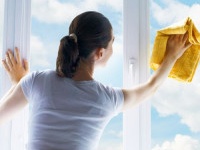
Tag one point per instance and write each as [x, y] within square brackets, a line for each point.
[46, 72]
[42, 74]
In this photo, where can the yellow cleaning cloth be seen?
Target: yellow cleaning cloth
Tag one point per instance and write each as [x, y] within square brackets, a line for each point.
[186, 65]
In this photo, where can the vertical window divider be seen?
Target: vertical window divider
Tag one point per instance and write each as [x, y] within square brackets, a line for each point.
[136, 121]
[17, 14]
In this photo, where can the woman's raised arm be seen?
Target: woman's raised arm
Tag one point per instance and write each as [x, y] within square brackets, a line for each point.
[176, 46]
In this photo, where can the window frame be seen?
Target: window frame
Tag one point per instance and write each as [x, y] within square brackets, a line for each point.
[16, 32]
[137, 121]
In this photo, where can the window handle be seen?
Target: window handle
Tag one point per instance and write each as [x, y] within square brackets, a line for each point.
[132, 71]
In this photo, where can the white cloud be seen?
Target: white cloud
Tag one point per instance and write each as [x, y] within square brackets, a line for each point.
[181, 99]
[180, 142]
[115, 133]
[173, 97]
[111, 146]
[194, 11]
[53, 11]
[118, 45]
[171, 13]
[38, 53]
[113, 140]
[116, 5]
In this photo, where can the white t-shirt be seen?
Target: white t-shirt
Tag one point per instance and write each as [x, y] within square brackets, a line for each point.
[67, 114]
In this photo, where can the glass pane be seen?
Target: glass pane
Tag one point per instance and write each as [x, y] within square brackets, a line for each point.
[50, 22]
[175, 107]
[1, 36]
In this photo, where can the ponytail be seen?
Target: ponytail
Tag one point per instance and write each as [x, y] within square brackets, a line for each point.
[68, 56]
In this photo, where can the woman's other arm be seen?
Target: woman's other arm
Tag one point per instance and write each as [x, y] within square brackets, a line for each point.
[176, 46]
[11, 104]
[14, 100]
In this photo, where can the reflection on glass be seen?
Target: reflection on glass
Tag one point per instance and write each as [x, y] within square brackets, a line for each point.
[1, 35]
[175, 107]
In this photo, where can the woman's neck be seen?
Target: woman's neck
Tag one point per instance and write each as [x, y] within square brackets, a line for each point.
[84, 71]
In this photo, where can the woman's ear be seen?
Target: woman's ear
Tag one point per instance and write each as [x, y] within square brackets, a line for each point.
[99, 53]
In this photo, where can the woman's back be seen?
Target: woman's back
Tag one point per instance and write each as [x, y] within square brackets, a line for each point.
[67, 114]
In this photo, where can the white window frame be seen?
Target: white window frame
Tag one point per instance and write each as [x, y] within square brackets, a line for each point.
[17, 14]
[137, 121]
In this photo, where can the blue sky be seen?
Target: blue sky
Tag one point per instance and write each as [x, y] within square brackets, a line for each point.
[175, 107]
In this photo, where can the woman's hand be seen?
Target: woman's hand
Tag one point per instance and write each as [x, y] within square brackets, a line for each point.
[177, 45]
[15, 68]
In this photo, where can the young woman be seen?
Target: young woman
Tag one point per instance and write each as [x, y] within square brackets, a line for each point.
[68, 108]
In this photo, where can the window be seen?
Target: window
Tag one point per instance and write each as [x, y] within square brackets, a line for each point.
[2, 129]
[41, 23]
[41, 42]
[136, 122]
[175, 107]
[16, 33]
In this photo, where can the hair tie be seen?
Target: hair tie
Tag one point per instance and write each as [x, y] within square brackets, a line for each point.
[73, 35]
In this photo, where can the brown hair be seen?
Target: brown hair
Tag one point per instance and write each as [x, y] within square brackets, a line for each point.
[92, 30]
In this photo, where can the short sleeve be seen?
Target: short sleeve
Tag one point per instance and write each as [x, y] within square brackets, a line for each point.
[26, 84]
[117, 98]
